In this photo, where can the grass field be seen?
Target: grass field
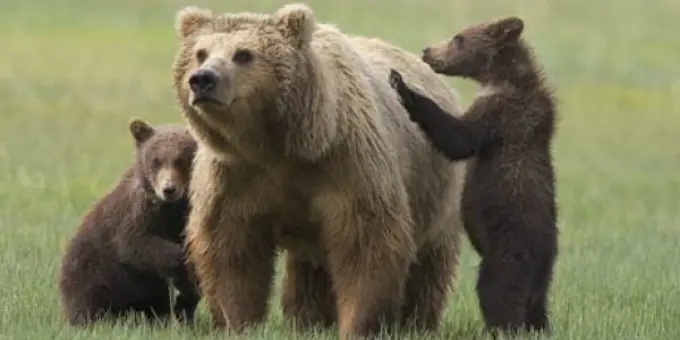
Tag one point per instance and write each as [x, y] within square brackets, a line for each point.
[73, 72]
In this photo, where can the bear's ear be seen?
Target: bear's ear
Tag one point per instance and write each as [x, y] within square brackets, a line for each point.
[296, 23]
[190, 19]
[507, 30]
[141, 130]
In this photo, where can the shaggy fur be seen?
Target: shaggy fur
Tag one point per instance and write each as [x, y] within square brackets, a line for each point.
[304, 146]
[130, 243]
[509, 197]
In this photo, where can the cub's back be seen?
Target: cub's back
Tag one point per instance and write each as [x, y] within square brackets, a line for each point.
[101, 222]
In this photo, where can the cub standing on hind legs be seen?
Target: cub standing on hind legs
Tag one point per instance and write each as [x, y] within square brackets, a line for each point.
[130, 243]
[508, 203]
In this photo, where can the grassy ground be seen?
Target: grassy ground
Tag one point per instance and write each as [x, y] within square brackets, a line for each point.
[73, 72]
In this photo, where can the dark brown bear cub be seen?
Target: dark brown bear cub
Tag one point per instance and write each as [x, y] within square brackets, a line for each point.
[508, 202]
[129, 249]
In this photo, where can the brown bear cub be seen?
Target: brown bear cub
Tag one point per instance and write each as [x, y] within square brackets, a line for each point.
[508, 202]
[129, 248]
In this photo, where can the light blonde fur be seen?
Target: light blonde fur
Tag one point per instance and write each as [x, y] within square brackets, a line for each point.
[318, 158]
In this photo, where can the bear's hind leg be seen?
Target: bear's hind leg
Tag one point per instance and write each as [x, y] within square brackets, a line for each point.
[84, 315]
[156, 309]
[96, 298]
[430, 280]
[503, 288]
[538, 315]
[307, 299]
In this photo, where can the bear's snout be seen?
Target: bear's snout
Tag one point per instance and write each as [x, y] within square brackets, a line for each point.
[203, 81]
[168, 185]
[171, 192]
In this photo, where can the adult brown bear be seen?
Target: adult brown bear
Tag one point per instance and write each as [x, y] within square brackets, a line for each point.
[303, 145]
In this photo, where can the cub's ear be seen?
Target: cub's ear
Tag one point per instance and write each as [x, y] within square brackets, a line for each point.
[507, 29]
[296, 23]
[190, 19]
[141, 130]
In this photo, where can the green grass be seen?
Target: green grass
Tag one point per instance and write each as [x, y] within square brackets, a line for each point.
[73, 72]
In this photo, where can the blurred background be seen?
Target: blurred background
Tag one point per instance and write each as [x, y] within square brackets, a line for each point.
[73, 73]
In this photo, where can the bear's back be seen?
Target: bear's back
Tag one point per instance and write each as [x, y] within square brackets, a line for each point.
[368, 61]
[359, 68]
[384, 56]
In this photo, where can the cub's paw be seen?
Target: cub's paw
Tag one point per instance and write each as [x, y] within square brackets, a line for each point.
[185, 308]
[396, 80]
[408, 97]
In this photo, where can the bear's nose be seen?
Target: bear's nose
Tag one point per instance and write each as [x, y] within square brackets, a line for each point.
[169, 190]
[426, 51]
[203, 80]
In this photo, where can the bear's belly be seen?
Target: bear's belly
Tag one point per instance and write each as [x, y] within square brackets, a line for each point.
[302, 241]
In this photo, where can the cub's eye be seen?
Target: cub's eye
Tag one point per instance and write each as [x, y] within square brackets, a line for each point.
[183, 163]
[458, 40]
[201, 55]
[242, 57]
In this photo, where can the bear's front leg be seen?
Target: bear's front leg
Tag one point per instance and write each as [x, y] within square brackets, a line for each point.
[230, 243]
[370, 247]
[236, 268]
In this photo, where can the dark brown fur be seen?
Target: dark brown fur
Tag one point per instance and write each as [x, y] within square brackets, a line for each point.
[130, 243]
[508, 202]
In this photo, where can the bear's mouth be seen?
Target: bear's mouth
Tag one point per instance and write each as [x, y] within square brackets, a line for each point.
[170, 198]
[206, 100]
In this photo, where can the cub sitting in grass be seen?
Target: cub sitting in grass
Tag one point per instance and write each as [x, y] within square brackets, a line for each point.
[508, 203]
[129, 246]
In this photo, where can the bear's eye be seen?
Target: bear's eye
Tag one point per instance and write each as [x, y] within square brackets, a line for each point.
[458, 40]
[201, 55]
[155, 163]
[242, 57]
[183, 163]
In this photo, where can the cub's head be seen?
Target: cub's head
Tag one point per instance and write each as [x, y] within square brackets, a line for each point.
[472, 51]
[231, 66]
[164, 158]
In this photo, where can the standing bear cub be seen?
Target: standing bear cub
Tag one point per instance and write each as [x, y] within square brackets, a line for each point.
[129, 246]
[508, 203]
[303, 146]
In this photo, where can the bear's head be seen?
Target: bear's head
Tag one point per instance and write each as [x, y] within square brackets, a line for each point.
[474, 51]
[164, 159]
[234, 68]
